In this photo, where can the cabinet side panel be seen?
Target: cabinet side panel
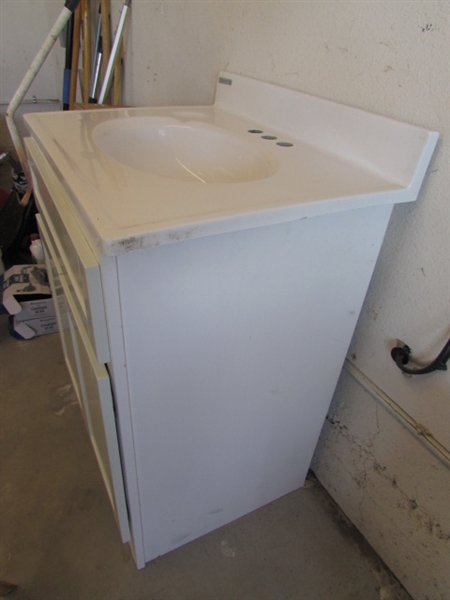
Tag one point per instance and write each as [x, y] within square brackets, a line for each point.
[234, 345]
[119, 381]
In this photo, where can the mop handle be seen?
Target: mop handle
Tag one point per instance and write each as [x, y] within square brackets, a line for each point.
[115, 49]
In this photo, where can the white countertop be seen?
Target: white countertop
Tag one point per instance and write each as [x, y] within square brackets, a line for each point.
[126, 208]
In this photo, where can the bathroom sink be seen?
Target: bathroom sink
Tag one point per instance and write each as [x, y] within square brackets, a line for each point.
[186, 151]
[263, 153]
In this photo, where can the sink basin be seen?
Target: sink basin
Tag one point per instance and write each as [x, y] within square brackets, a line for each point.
[187, 151]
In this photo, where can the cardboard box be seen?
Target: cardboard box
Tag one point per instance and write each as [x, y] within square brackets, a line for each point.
[25, 283]
[26, 330]
[26, 295]
[36, 309]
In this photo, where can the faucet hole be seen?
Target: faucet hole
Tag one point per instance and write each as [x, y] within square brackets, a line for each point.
[285, 144]
[269, 137]
[255, 131]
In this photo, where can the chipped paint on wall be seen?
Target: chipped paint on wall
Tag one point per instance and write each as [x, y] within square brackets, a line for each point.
[391, 487]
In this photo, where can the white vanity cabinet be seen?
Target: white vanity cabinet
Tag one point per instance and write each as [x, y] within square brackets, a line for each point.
[211, 289]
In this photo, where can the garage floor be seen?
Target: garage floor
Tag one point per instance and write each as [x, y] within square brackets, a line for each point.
[58, 538]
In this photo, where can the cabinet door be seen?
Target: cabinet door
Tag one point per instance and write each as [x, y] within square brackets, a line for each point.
[77, 262]
[70, 350]
[92, 385]
[97, 394]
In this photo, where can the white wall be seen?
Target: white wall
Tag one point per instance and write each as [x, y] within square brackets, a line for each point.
[24, 24]
[386, 57]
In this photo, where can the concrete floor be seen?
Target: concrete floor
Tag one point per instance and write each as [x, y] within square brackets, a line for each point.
[58, 538]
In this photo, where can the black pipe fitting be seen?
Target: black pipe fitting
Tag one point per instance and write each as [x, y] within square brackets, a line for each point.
[401, 355]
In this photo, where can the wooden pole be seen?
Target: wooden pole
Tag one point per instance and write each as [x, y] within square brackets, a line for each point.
[75, 57]
[86, 15]
[117, 81]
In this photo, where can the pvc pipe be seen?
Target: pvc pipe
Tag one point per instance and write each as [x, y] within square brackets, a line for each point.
[24, 86]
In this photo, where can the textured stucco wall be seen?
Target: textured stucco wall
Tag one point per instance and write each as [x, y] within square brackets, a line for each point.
[387, 57]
